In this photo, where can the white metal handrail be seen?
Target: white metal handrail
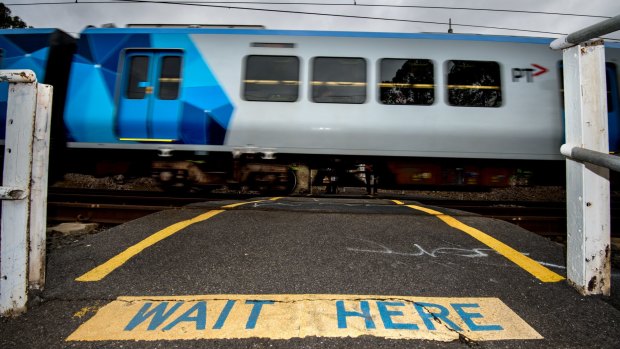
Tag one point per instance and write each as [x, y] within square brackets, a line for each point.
[605, 27]
[611, 162]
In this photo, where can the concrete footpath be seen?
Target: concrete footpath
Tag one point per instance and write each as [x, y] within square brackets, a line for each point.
[311, 272]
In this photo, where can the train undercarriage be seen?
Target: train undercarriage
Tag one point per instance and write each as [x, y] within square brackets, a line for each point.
[293, 173]
[305, 173]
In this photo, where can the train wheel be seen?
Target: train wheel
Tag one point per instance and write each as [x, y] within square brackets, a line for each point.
[282, 183]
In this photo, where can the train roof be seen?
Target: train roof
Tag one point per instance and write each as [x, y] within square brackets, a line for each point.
[319, 33]
[315, 33]
[28, 31]
[352, 34]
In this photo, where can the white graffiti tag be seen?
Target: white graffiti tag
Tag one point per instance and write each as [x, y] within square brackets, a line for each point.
[420, 251]
[453, 251]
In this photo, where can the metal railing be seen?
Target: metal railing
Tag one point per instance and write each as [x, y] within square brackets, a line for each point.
[611, 162]
[587, 165]
[594, 31]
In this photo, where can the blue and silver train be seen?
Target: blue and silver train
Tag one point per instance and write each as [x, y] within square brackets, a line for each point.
[256, 107]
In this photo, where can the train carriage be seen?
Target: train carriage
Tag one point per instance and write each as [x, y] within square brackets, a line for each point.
[244, 106]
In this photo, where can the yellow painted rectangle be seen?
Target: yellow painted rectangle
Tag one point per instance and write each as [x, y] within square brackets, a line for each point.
[299, 316]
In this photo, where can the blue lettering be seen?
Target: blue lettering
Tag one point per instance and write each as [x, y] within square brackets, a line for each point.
[200, 318]
[428, 317]
[158, 313]
[224, 315]
[467, 318]
[386, 316]
[258, 306]
[365, 314]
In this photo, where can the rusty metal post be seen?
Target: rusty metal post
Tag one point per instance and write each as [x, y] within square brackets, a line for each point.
[587, 185]
[38, 187]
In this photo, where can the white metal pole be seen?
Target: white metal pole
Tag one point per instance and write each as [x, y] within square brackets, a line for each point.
[15, 219]
[588, 244]
[38, 190]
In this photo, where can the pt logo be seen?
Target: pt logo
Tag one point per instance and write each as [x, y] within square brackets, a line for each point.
[528, 73]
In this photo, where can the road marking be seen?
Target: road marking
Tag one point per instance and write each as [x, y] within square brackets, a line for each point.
[299, 316]
[101, 271]
[113, 263]
[531, 266]
[249, 202]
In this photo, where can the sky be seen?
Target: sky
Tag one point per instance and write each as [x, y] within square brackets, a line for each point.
[73, 17]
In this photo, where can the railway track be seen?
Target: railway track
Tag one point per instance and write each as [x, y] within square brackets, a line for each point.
[117, 207]
[542, 217]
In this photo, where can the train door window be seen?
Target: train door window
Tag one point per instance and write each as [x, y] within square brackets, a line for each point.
[271, 78]
[406, 81]
[339, 80]
[138, 72]
[170, 77]
[474, 83]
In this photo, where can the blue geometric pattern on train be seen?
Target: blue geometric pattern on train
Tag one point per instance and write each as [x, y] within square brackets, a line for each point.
[90, 109]
[90, 114]
[21, 52]
[207, 110]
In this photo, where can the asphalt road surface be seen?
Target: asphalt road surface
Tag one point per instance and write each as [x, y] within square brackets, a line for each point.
[310, 272]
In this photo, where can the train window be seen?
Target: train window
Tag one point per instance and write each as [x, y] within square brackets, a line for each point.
[138, 72]
[339, 80]
[406, 81]
[474, 84]
[271, 78]
[170, 77]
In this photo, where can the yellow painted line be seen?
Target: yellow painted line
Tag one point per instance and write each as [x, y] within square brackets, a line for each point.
[169, 80]
[147, 140]
[250, 202]
[531, 266]
[303, 315]
[472, 87]
[106, 268]
[98, 273]
[338, 83]
[405, 85]
[272, 82]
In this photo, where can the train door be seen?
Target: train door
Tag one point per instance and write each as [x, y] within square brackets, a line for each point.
[149, 105]
[613, 107]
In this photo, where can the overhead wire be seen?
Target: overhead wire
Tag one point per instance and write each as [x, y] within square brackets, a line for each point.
[185, 3]
[227, 5]
[357, 4]
[354, 4]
